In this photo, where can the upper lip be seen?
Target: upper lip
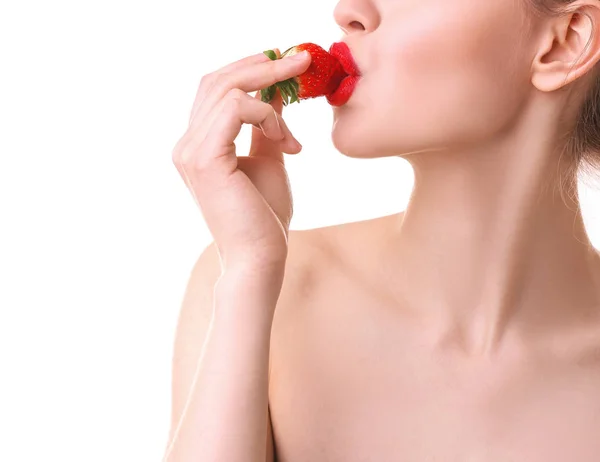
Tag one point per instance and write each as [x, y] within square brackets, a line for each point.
[342, 50]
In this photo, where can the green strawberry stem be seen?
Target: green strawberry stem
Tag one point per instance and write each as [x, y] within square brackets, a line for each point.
[271, 54]
[288, 88]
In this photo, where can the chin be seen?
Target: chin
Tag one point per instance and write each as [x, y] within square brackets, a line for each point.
[354, 146]
[355, 139]
[368, 138]
[351, 138]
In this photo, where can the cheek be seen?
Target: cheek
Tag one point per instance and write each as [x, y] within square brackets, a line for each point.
[448, 78]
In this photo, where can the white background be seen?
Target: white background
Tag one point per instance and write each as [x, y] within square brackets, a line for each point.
[98, 233]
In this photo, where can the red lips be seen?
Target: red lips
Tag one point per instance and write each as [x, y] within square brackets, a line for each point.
[342, 52]
[342, 94]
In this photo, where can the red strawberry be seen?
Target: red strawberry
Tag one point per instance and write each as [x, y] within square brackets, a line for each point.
[322, 78]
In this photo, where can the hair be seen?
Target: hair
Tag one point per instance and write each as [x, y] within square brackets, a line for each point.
[582, 143]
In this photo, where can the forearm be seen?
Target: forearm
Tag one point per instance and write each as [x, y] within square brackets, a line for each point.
[226, 415]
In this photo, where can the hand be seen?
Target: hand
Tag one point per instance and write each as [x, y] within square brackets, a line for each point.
[246, 201]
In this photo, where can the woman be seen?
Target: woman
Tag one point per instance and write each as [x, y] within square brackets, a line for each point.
[466, 328]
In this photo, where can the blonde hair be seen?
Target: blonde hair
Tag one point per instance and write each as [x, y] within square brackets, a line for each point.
[582, 143]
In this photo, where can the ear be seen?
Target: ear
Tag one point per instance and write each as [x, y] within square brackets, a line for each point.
[571, 47]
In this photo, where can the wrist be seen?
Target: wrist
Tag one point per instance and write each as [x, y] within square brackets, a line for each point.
[252, 276]
[244, 291]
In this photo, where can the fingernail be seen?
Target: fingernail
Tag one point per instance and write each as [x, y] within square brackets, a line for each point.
[300, 56]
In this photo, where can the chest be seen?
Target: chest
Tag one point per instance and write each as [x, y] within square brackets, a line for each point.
[347, 387]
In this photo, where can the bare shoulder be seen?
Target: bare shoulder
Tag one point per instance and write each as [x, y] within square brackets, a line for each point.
[323, 265]
[316, 256]
[307, 253]
[315, 252]
[340, 239]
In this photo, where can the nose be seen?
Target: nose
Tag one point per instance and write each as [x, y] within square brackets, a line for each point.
[355, 16]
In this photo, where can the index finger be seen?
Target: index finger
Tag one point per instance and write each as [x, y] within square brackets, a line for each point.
[254, 77]
[202, 90]
[264, 74]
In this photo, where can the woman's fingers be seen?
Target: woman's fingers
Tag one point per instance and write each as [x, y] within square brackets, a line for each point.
[234, 110]
[208, 80]
[246, 203]
[250, 78]
[261, 146]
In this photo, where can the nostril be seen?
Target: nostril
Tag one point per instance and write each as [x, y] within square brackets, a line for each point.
[356, 24]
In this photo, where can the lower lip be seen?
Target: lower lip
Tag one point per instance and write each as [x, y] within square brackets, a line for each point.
[343, 93]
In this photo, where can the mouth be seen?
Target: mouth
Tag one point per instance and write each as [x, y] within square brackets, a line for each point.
[342, 52]
[343, 93]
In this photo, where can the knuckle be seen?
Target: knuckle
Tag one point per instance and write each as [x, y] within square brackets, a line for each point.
[231, 105]
[175, 157]
[236, 93]
[200, 165]
[185, 156]
[187, 153]
[176, 152]
[193, 159]
[223, 81]
[275, 71]
[190, 159]
[206, 80]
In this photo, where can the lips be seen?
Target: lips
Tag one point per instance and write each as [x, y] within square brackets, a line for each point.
[341, 51]
[344, 91]
[342, 94]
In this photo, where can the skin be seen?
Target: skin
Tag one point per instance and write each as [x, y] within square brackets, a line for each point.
[468, 327]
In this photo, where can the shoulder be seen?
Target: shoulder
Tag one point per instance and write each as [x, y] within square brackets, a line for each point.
[308, 254]
[314, 255]
[340, 244]
[323, 264]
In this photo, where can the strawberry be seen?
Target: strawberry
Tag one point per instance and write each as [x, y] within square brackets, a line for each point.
[322, 78]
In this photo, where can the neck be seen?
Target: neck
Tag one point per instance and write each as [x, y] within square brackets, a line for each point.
[492, 244]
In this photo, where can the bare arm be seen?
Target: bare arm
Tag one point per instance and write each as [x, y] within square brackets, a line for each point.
[220, 367]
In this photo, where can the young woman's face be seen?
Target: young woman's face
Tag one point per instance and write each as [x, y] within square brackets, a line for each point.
[435, 73]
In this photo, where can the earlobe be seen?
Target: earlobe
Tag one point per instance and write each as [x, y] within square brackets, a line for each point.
[572, 49]
[549, 80]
